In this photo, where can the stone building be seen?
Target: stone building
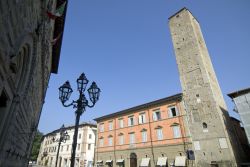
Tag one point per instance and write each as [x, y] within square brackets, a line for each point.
[241, 136]
[28, 55]
[202, 95]
[205, 134]
[84, 150]
[241, 99]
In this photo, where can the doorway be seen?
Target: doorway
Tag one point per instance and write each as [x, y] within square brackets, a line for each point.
[133, 160]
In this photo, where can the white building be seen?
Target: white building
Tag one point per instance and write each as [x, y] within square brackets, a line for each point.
[84, 149]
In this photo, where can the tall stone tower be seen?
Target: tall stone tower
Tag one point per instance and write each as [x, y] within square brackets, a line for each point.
[207, 113]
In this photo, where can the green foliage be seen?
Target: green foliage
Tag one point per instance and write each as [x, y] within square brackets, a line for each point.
[36, 146]
[46, 162]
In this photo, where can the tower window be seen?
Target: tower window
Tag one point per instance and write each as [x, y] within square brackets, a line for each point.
[204, 126]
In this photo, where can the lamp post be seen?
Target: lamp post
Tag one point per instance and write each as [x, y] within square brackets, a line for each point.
[62, 138]
[64, 94]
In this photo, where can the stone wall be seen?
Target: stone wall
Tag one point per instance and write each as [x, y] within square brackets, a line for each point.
[25, 66]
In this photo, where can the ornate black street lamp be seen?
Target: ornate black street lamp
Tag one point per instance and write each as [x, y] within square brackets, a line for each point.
[62, 138]
[64, 94]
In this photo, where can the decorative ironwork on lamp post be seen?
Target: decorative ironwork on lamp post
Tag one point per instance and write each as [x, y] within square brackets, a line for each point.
[62, 138]
[64, 94]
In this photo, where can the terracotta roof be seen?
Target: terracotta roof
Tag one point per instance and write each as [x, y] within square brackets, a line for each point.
[176, 97]
[236, 119]
[71, 127]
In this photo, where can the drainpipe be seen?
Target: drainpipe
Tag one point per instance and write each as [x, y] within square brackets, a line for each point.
[115, 141]
[151, 142]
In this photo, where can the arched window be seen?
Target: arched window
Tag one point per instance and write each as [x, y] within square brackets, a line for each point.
[3, 99]
[101, 142]
[121, 138]
[101, 127]
[159, 132]
[131, 138]
[3, 105]
[18, 65]
[204, 126]
[110, 140]
[144, 135]
[176, 130]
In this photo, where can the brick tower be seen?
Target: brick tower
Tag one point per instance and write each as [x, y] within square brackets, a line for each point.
[205, 106]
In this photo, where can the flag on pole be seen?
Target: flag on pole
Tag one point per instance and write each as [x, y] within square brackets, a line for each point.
[51, 16]
[58, 13]
[54, 41]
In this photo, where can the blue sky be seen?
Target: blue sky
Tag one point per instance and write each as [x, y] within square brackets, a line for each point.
[125, 46]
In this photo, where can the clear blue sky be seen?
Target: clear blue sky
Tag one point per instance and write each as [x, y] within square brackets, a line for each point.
[125, 46]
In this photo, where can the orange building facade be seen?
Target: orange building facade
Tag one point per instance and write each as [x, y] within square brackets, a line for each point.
[150, 134]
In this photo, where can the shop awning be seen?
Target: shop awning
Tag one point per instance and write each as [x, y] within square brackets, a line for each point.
[145, 162]
[109, 161]
[180, 161]
[99, 161]
[120, 161]
[162, 161]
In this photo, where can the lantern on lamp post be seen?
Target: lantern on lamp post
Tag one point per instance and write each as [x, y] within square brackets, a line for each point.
[62, 138]
[80, 104]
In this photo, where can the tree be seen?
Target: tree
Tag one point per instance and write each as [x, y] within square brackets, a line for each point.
[36, 145]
